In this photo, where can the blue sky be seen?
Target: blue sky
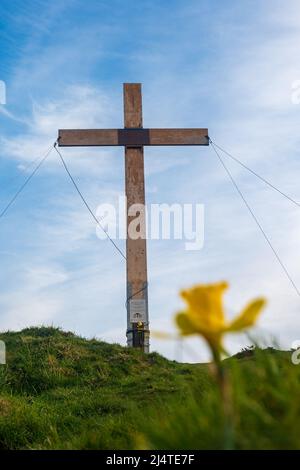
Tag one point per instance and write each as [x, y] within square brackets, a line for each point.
[228, 66]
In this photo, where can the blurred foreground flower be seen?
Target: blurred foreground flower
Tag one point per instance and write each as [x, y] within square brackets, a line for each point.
[205, 316]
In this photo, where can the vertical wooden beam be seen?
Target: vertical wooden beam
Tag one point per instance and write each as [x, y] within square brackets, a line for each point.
[137, 282]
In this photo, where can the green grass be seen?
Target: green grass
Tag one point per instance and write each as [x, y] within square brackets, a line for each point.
[60, 391]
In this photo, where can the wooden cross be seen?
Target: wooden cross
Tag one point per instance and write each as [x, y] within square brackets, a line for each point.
[134, 137]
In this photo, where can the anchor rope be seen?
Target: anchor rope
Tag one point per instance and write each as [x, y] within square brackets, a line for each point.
[284, 268]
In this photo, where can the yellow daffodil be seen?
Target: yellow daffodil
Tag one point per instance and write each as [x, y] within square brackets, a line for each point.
[205, 314]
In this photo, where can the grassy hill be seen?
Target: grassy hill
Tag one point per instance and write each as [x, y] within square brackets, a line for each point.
[60, 391]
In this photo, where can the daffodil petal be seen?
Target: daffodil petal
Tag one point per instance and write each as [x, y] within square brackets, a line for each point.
[248, 316]
[162, 335]
[184, 324]
[186, 327]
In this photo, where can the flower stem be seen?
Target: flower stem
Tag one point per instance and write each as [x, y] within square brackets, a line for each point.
[226, 400]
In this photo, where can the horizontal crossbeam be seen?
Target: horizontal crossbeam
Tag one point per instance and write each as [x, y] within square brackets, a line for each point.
[132, 137]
